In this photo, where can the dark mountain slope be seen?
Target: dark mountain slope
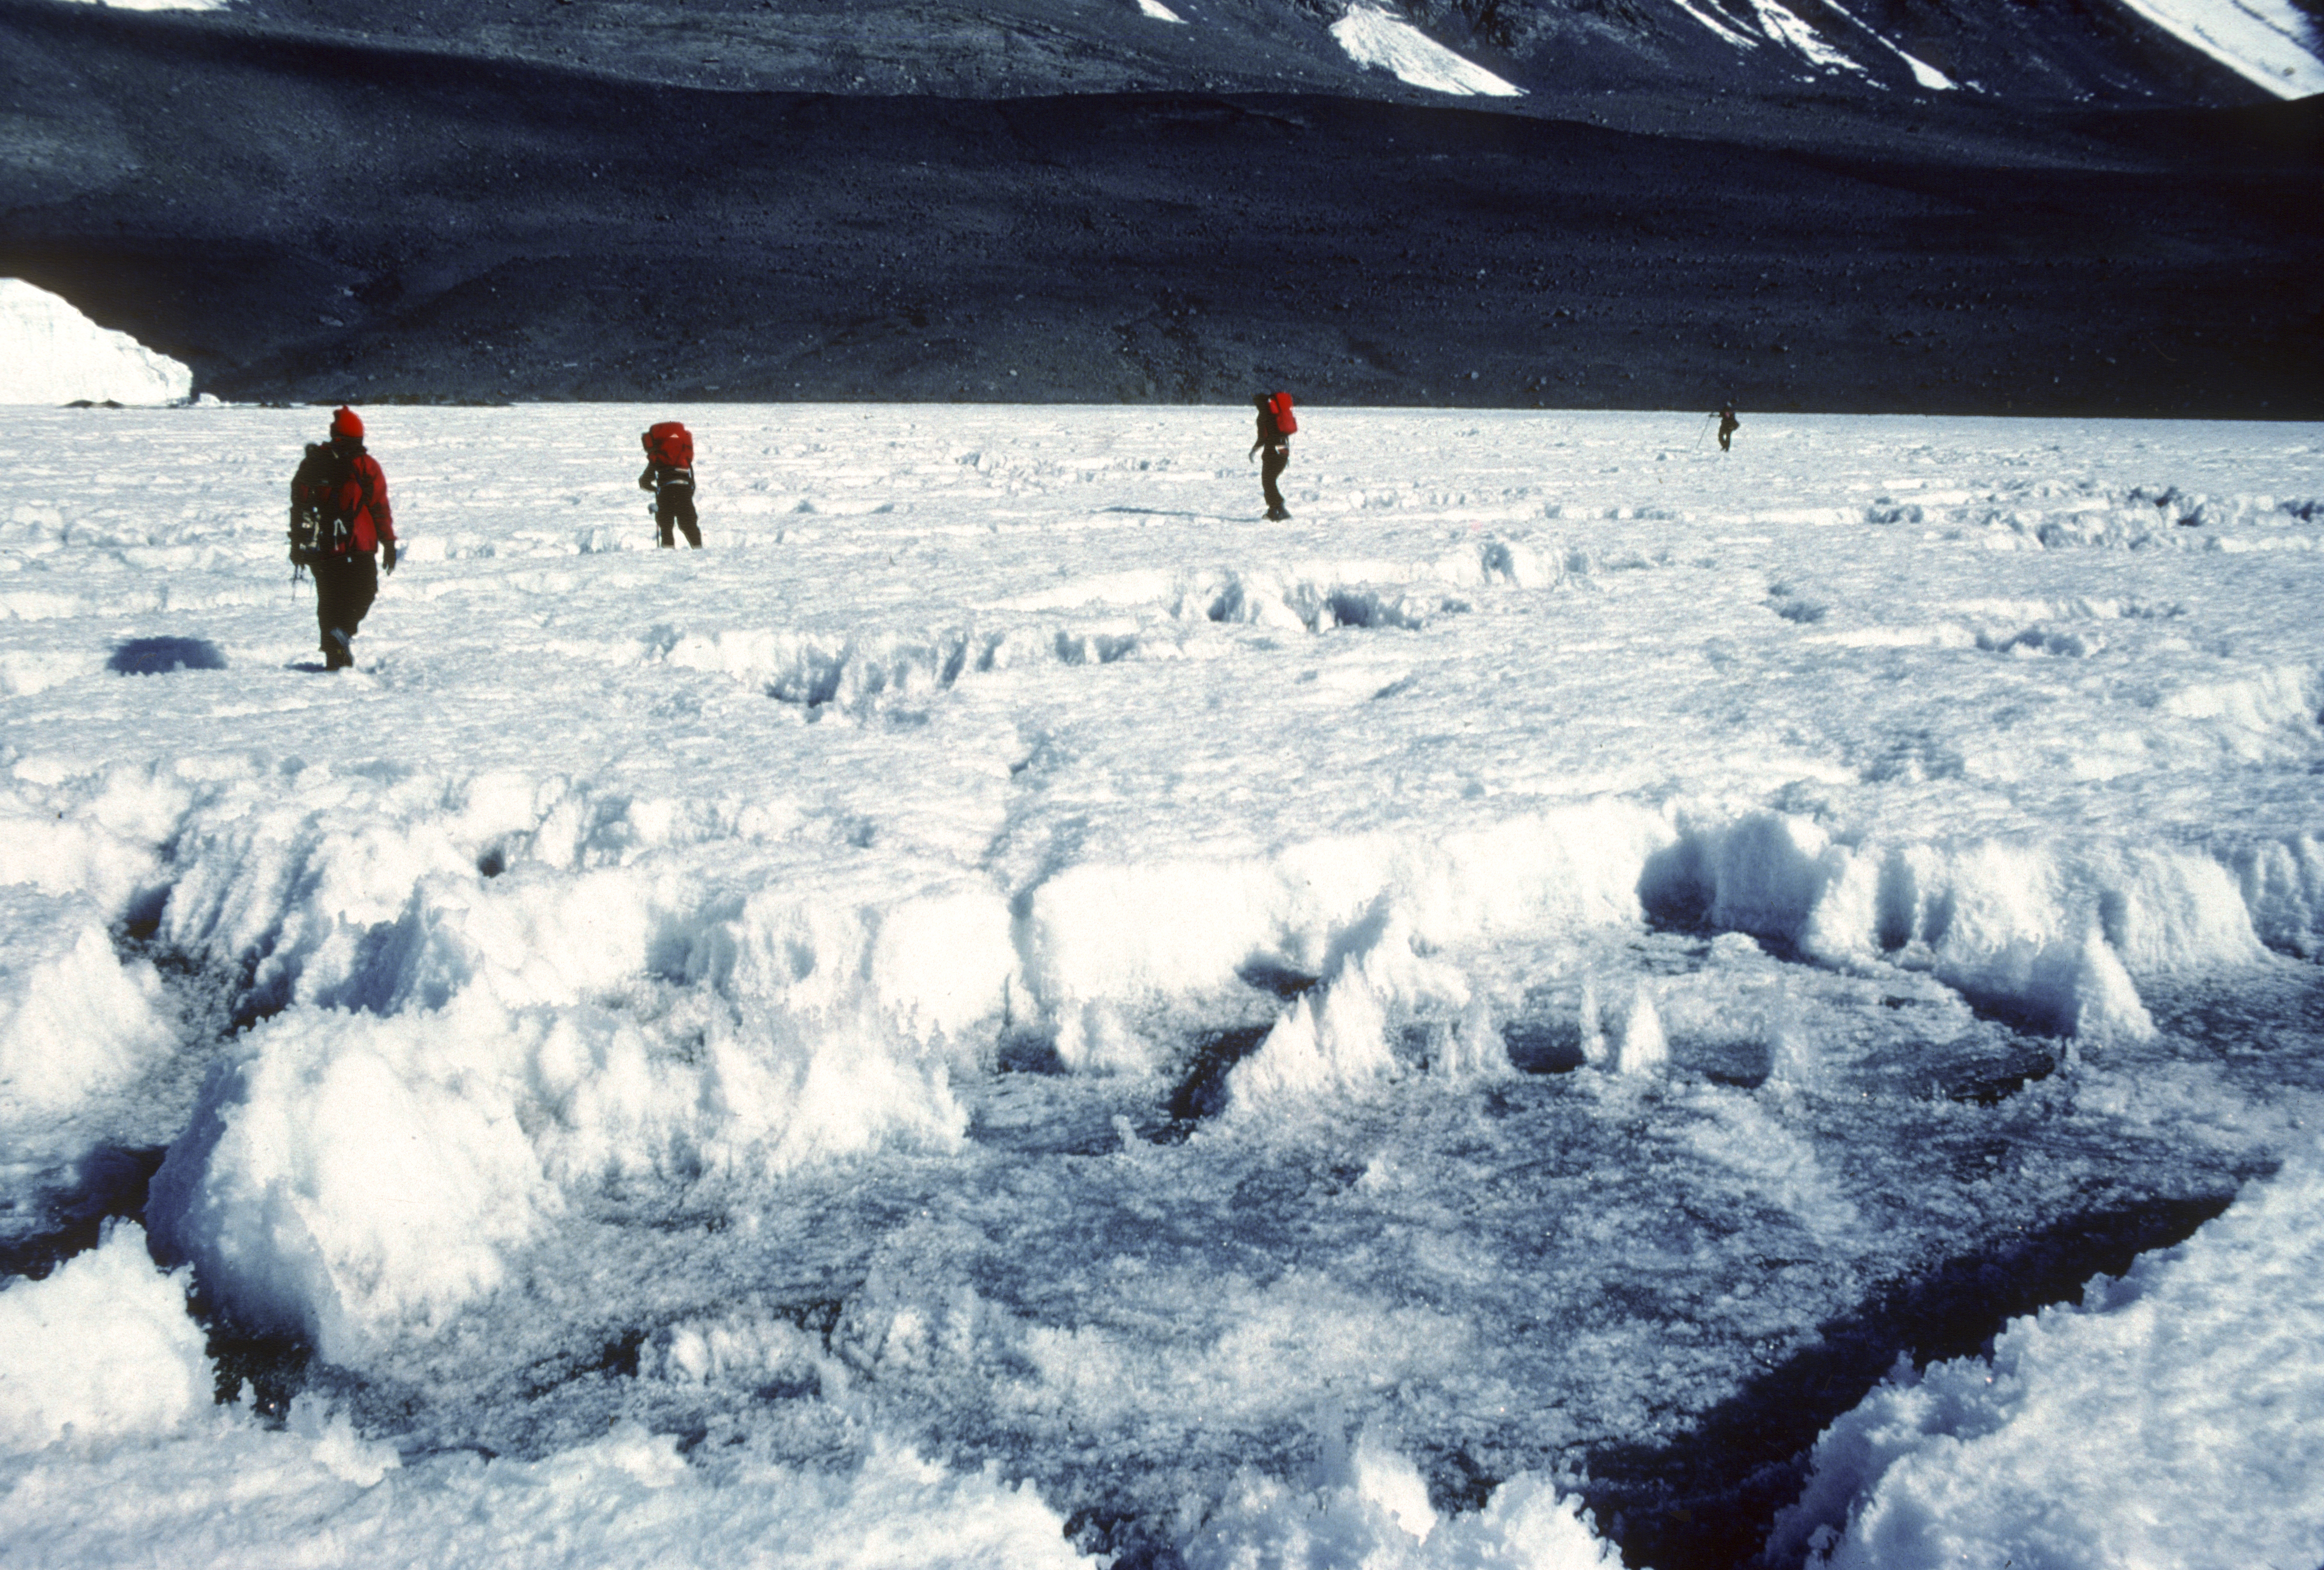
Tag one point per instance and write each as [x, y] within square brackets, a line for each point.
[323, 219]
[2020, 50]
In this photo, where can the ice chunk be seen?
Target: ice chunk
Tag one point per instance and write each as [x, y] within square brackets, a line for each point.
[102, 1349]
[75, 1021]
[347, 1177]
[2282, 883]
[1365, 1505]
[1316, 1049]
[356, 1179]
[2051, 930]
[1638, 1045]
[1177, 927]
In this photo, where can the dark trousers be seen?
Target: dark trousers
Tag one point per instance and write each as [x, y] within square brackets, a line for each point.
[675, 505]
[1272, 461]
[344, 587]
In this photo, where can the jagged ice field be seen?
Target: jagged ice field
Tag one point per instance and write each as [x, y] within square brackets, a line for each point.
[1566, 1007]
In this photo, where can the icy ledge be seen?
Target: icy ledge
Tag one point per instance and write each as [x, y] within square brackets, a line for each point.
[2170, 1418]
[468, 1007]
[109, 1442]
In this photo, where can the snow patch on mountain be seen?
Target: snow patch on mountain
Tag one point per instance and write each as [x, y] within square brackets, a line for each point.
[1924, 73]
[1374, 39]
[51, 354]
[2267, 41]
[1927, 75]
[1710, 18]
[1784, 26]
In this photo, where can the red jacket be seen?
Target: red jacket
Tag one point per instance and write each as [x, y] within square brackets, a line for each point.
[363, 501]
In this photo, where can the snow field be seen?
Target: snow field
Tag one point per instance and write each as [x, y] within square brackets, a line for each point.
[936, 955]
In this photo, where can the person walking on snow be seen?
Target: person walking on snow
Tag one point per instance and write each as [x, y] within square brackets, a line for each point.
[669, 475]
[1275, 442]
[342, 531]
[1727, 423]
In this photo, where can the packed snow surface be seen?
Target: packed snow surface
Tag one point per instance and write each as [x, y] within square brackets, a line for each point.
[1376, 40]
[1009, 1009]
[51, 354]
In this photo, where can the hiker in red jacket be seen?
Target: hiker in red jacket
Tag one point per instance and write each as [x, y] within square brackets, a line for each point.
[339, 519]
[669, 475]
[1276, 425]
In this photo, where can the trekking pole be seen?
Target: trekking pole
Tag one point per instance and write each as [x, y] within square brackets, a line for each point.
[1698, 431]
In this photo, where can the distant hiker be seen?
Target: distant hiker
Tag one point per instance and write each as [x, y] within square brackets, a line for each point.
[338, 518]
[669, 475]
[1276, 425]
[1727, 423]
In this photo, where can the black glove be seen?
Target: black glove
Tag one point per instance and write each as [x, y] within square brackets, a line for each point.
[387, 554]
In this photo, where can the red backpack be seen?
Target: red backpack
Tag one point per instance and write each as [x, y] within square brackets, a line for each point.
[1278, 405]
[672, 443]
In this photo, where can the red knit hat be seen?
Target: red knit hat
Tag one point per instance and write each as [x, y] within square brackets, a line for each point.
[346, 423]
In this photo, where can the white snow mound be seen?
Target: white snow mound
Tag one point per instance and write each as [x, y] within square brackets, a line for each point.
[1366, 1505]
[75, 1022]
[102, 1349]
[51, 354]
[357, 1179]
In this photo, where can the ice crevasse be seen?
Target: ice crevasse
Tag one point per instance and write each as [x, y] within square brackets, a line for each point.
[449, 1053]
[2168, 1419]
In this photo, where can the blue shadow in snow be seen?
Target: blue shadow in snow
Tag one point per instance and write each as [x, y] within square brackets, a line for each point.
[158, 656]
[1703, 1498]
